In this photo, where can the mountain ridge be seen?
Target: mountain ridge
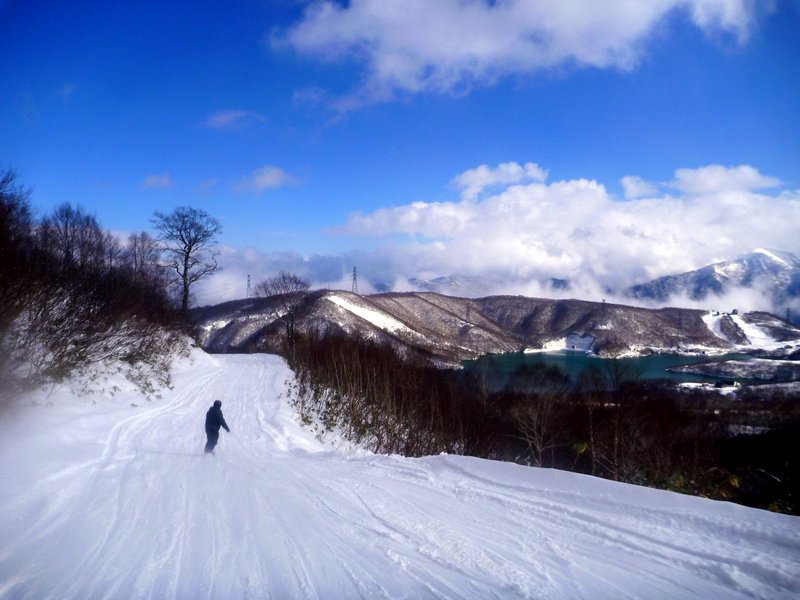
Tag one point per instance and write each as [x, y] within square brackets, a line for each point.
[452, 329]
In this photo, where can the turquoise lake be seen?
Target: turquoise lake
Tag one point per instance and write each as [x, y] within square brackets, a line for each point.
[574, 363]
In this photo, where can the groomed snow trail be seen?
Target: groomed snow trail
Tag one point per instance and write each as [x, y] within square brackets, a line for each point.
[120, 502]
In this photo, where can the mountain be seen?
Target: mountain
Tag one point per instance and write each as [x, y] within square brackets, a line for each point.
[774, 272]
[452, 329]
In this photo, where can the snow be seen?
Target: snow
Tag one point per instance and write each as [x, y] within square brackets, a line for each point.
[556, 345]
[378, 319]
[758, 338]
[213, 325]
[573, 342]
[111, 497]
[723, 391]
[712, 321]
[773, 256]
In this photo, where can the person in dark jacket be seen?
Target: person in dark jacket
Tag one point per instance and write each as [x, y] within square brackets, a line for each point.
[214, 420]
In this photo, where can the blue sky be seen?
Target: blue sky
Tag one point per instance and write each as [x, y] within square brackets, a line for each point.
[327, 134]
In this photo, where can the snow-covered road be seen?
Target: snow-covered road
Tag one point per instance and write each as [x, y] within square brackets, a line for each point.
[110, 500]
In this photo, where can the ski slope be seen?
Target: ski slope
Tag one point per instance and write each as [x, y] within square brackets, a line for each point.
[103, 499]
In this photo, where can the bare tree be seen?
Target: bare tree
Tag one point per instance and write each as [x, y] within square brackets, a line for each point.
[15, 237]
[15, 280]
[76, 239]
[141, 257]
[289, 290]
[617, 418]
[187, 235]
[538, 414]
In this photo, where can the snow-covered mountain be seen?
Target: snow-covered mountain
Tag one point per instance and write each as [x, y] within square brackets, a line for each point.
[111, 497]
[775, 273]
[453, 329]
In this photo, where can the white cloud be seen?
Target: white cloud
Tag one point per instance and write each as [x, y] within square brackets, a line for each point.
[449, 46]
[636, 187]
[716, 178]
[734, 17]
[159, 182]
[232, 119]
[474, 181]
[517, 237]
[323, 271]
[265, 178]
[526, 234]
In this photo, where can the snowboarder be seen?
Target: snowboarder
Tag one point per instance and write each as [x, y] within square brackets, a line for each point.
[214, 420]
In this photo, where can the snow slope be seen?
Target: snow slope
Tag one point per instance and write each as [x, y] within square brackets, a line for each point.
[104, 499]
[757, 337]
[378, 319]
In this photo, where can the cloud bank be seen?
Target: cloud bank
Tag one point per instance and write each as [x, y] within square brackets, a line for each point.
[324, 271]
[450, 46]
[520, 235]
[577, 230]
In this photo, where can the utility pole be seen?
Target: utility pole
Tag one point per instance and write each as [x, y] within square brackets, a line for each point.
[355, 281]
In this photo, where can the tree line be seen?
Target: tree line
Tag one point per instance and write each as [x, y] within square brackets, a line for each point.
[75, 297]
[609, 423]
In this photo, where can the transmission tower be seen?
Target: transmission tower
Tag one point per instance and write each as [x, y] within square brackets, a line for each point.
[355, 281]
[249, 289]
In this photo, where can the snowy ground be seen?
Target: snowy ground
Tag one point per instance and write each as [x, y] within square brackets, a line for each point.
[110, 500]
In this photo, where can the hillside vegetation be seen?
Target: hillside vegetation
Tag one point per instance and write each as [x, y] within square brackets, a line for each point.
[608, 423]
[75, 300]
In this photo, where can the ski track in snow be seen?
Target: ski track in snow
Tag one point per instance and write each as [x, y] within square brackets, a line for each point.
[275, 514]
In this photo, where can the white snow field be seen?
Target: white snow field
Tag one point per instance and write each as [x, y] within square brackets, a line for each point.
[102, 499]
